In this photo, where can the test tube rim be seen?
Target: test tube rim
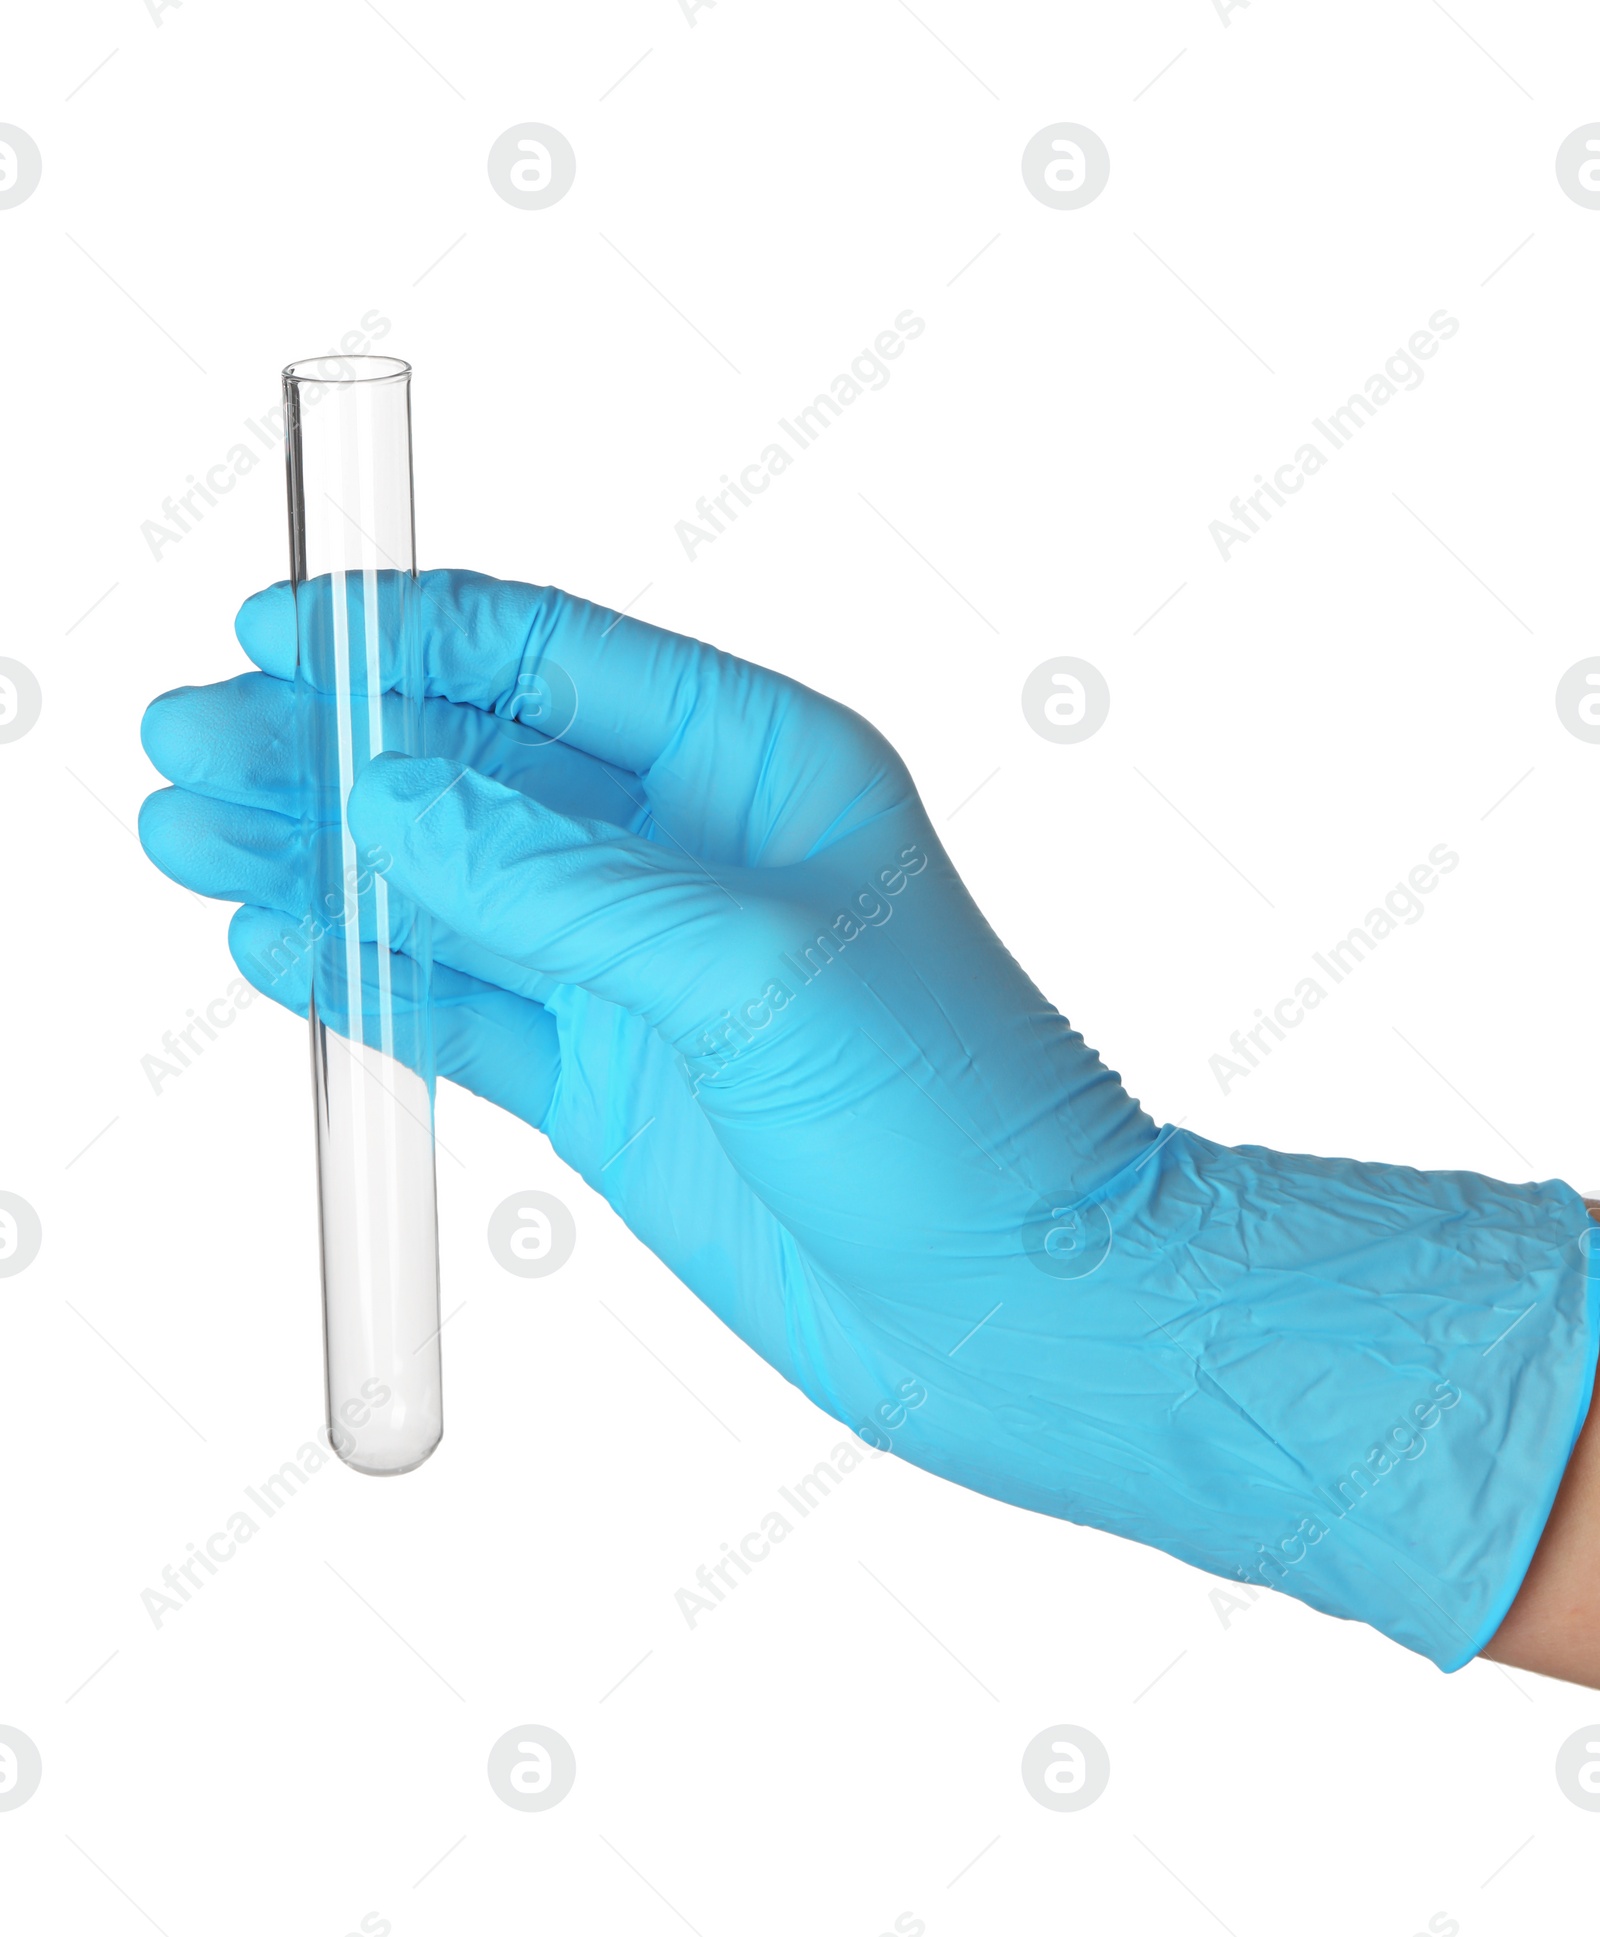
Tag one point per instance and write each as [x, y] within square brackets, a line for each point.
[311, 370]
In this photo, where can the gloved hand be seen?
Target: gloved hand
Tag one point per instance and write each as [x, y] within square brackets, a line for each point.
[709, 943]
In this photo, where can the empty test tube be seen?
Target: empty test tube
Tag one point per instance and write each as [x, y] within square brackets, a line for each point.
[358, 693]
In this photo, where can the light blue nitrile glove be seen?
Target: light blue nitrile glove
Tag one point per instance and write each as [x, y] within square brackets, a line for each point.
[711, 929]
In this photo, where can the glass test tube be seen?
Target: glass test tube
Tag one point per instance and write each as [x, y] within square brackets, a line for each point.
[358, 693]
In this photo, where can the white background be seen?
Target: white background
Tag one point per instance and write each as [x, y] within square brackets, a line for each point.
[1372, 674]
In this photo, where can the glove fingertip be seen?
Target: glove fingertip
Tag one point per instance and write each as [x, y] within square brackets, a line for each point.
[393, 795]
[158, 819]
[264, 626]
[273, 955]
[161, 730]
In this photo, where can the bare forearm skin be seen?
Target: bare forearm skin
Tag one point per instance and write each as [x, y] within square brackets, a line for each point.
[1553, 1627]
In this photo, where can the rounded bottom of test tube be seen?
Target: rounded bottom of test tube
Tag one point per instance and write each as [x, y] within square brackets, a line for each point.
[380, 1463]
